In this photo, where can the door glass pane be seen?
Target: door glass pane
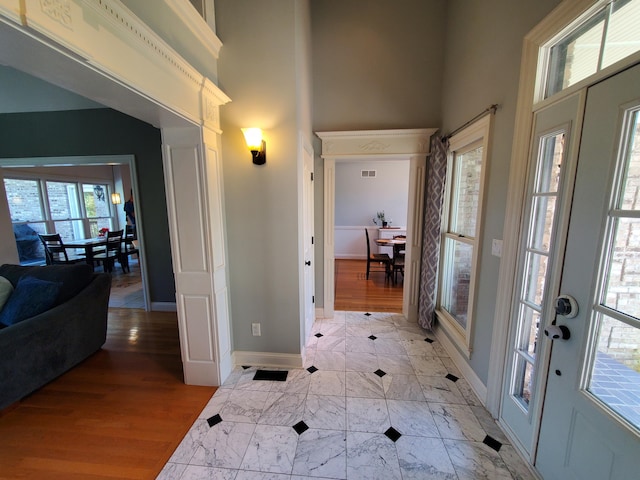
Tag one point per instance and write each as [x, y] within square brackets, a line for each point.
[24, 200]
[550, 163]
[544, 209]
[623, 34]
[464, 208]
[524, 379]
[631, 188]
[615, 379]
[622, 281]
[535, 277]
[456, 277]
[63, 200]
[530, 330]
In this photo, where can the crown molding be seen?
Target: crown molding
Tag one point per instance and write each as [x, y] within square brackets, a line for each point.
[196, 24]
[376, 143]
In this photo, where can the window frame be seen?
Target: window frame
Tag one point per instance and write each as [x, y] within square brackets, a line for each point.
[475, 135]
[48, 220]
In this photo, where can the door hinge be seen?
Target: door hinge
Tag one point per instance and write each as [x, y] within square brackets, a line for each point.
[312, 176]
[312, 240]
[313, 299]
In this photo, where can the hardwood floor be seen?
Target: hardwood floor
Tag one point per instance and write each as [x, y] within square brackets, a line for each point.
[119, 414]
[353, 292]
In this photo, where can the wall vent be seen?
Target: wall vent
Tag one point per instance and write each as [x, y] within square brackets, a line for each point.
[367, 173]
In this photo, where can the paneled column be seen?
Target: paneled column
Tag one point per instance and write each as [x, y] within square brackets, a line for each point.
[194, 201]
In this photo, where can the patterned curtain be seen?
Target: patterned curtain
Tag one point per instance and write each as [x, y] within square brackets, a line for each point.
[434, 196]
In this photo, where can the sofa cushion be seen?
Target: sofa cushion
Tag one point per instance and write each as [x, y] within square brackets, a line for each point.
[6, 288]
[74, 278]
[31, 297]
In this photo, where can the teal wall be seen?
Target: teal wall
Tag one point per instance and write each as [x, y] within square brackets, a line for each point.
[104, 132]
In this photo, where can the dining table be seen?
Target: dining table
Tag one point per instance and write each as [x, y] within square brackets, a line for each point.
[88, 244]
[398, 244]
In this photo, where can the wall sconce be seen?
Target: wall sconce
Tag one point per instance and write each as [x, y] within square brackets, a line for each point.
[253, 137]
[115, 199]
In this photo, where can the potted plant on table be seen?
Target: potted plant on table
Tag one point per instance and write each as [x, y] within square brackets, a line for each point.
[380, 218]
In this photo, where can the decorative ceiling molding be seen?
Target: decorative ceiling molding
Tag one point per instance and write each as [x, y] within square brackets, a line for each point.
[375, 143]
[120, 46]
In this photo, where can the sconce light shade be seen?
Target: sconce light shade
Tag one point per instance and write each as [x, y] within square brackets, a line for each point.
[258, 147]
[115, 199]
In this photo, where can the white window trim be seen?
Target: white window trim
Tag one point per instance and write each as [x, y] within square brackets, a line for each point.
[476, 133]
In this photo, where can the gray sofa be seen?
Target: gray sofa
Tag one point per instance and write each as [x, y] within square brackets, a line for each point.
[36, 350]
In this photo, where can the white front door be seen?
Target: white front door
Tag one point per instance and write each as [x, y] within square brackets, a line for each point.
[590, 426]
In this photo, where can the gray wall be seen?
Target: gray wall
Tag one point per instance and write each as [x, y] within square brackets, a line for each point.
[426, 63]
[102, 132]
[262, 68]
[358, 199]
[482, 66]
[376, 65]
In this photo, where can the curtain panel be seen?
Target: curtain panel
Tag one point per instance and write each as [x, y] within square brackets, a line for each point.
[434, 197]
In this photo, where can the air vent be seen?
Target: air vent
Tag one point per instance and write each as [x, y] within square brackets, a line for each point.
[367, 173]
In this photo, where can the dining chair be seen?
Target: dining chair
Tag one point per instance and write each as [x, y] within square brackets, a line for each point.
[129, 247]
[377, 262]
[55, 252]
[112, 252]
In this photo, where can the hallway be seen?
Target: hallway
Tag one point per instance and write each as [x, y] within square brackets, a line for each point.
[378, 398]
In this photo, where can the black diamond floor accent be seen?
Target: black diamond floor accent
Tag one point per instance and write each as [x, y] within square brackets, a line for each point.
[367, 314]
[492, 443]
[372, 337]
[428, 340]
[312, 369]
[453, 378]
[273, 375]
[245, 367]
[318, 335]
[380, 373]
[216, 419]
[393, 434]
[300, 428]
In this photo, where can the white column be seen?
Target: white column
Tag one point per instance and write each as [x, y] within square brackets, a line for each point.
[193, 182]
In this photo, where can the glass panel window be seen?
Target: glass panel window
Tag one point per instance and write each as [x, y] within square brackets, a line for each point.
[63, 200]
[615, 378]
[461, 227]
[615, 370]
[98, 208]
[542, 205]
[623, 34]
[24, 200]
[608, 36]
[456, 278]
[631, 185]
[466, 192]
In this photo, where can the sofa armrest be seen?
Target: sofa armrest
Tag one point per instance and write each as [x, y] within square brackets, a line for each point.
[39, 349]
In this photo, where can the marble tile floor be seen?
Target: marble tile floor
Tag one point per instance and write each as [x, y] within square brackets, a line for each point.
[378, 398]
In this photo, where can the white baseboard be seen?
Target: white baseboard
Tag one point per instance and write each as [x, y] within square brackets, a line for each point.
[164, 307]
[267, 359]
[479, 388]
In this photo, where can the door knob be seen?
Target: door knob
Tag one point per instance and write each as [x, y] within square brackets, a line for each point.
[566, 305]
[308, 263]
[557, 331]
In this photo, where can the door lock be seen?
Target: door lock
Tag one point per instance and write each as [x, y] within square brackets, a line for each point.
[566, 306]
[557, 331]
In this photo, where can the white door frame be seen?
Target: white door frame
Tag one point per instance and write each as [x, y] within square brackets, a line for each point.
[378, 145]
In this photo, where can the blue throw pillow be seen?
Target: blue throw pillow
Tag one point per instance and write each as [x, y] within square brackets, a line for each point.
[31, 297]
